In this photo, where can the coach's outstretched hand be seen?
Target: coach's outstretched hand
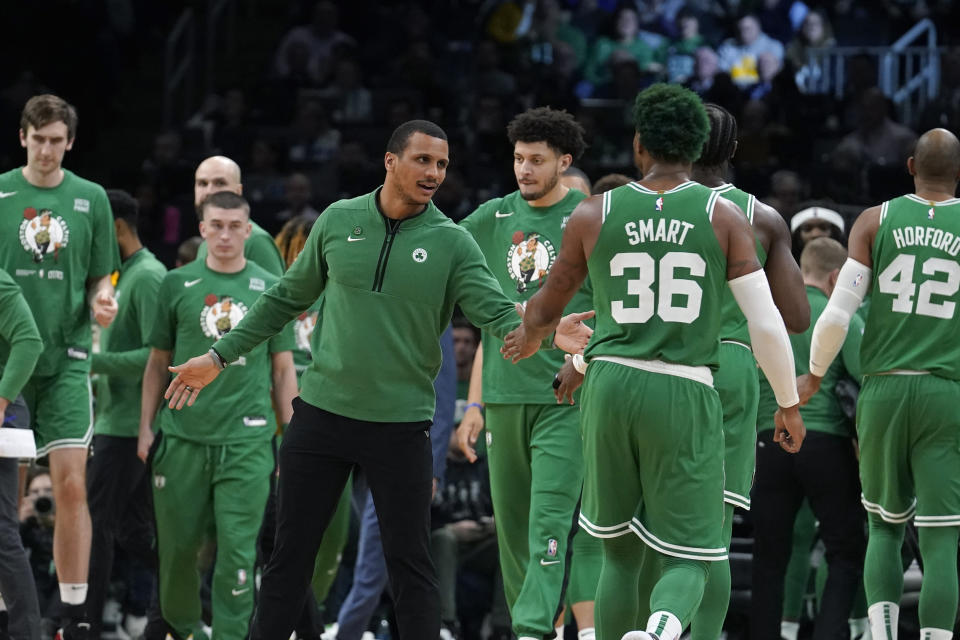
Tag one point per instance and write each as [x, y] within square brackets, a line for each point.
[572, 336]
[192, 376]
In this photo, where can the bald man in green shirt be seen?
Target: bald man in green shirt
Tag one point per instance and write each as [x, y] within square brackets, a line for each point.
[220, 173]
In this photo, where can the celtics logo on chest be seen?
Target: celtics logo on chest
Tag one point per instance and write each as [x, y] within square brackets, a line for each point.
[220, 314]
[303, 328]
[529, 259]
[43, 233]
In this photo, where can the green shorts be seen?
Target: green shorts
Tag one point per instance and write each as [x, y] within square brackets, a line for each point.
[653, 460]
[909, 432]
[61, 408]
[738, 384]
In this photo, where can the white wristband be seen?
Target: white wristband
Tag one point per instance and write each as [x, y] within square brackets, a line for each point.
[579, 363]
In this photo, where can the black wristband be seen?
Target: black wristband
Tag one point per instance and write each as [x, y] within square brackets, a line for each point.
[218, 358]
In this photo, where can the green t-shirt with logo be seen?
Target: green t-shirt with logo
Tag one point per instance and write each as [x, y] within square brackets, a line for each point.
[520, 244]
[52, 240]
[658, 276]
[259, 247]
[197, 306]
[123, 346]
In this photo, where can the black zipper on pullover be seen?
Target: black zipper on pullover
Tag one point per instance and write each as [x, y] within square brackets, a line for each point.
[393, 226]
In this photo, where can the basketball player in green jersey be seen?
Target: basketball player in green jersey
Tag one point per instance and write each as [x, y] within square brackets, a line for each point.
[220, 173]
[736, 380]
[660, 254]
[535, 452]
[213, 464]
[907, 420]
[58, 243]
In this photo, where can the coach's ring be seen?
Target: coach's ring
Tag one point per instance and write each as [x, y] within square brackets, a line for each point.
[188, 388]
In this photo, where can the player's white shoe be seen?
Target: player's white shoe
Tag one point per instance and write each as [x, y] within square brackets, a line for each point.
[330, 633]
[640, 635]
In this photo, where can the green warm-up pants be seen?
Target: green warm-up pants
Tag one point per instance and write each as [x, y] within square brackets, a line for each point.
[195, 486]
[535, 456]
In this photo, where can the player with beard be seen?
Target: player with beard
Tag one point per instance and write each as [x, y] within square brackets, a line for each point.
[661, 253]
[534, 448]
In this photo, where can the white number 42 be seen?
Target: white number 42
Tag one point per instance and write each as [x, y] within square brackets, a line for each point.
[897, 280]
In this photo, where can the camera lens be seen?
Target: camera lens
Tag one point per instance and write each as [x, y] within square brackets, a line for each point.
[43, 505]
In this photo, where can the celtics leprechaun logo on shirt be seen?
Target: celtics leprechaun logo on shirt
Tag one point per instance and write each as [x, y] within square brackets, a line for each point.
[529, 259]
[42, 233]
[220, 315]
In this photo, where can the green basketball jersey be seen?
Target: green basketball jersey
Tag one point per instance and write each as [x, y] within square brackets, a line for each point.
[51, 242]
[520, 244]
[197, 307]
[733, 325]
[658, 276]
[916, 279]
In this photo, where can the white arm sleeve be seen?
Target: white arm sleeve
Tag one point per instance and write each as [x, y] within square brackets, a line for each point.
[771, 345]
[831, 329]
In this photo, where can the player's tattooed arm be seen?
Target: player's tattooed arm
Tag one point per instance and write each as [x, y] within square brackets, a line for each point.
[567, 274]
[568, 271]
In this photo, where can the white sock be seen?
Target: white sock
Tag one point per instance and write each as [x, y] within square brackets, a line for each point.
[587, 634]
[884, 617]
[73, 593]
[789, 630]
[526, 638]
[858, 626]
[559, 631]
[666, 625]
[932, 633]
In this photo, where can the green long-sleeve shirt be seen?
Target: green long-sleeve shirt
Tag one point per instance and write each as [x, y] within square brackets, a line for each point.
[823, 413]
[389, 290]
[20, 343]
[123, 346]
